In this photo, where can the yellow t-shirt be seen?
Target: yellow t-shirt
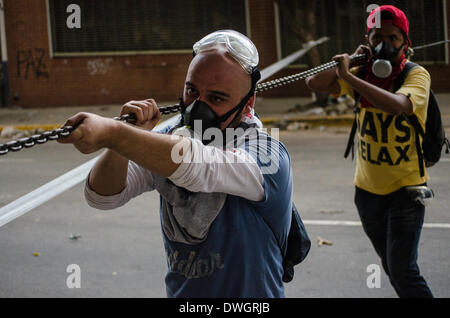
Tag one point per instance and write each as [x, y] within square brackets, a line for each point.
[387, 157]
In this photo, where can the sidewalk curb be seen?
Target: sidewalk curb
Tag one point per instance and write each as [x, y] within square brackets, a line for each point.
[32, 127]
[313, 120]
[340, 120]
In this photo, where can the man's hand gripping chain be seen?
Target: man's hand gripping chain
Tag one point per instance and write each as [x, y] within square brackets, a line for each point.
[39, 139]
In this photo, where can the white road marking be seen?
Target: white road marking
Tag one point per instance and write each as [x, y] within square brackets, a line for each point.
[44, 193]
[357, 223]
[332, 223]
[55, 187]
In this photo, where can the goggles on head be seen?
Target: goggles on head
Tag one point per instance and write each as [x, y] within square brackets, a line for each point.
[238, 45]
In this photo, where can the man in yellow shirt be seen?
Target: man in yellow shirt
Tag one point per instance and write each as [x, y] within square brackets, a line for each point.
[387, 160]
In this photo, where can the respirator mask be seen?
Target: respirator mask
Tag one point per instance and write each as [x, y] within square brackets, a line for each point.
[384, 56]
[199, 117]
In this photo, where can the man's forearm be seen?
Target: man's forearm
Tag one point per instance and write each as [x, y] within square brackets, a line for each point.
[150, 150]
[380, 98]
[109, 174]
[324, 82]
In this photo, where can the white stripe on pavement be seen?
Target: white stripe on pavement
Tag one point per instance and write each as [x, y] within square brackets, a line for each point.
[55, 187]
[357, 223]
[332, 223]
[44, 193]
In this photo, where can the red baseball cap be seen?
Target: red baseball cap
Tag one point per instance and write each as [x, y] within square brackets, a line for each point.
[399, 18]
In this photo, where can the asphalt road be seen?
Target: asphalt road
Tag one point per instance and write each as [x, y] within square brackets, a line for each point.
[120, 253]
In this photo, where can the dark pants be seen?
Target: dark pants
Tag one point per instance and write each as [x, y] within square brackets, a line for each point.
[393, 224]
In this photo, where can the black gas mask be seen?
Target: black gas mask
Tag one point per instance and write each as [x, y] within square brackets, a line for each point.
[384, 56]
[200, 112]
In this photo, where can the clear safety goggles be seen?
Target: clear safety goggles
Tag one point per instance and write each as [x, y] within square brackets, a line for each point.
[238, 45]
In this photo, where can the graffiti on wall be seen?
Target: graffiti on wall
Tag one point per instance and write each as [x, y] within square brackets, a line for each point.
[99, 66]
[31, 63]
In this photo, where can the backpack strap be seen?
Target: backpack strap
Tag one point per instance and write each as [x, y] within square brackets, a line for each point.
[447, 146]
[409, 66]
[412, 119]
[351, 138]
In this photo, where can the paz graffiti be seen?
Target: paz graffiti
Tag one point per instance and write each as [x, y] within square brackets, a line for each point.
[31, 61]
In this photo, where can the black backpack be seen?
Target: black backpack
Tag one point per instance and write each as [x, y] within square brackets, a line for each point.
[433, 138]
[298, 245]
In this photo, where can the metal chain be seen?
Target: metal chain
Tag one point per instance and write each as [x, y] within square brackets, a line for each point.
[39, 139]
[170, 109]
[295, 77]
[261, 87]
[28, 142]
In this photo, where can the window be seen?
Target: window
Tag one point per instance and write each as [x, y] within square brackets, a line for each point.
[124, 26]
[344, 22]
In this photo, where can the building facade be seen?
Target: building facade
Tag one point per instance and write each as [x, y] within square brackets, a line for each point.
[84, 52]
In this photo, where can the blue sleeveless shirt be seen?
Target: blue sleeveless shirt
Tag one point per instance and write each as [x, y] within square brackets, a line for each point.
[242, 254]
